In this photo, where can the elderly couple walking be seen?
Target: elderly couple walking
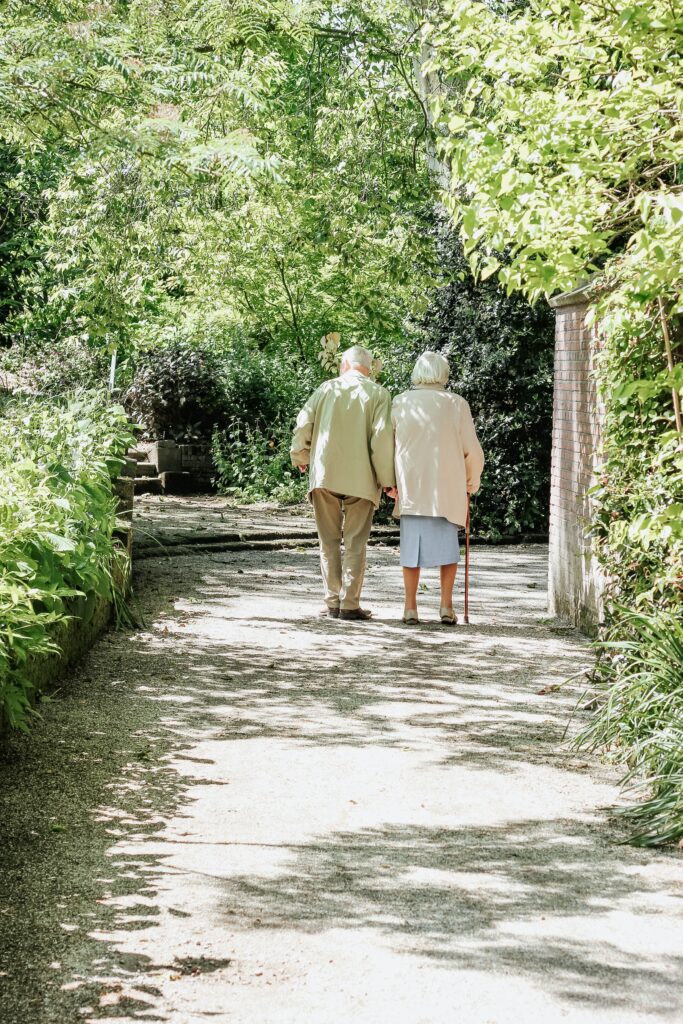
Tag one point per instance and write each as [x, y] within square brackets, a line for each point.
[423, 451]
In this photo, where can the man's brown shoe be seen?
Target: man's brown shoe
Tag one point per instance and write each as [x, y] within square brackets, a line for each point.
[357, 614]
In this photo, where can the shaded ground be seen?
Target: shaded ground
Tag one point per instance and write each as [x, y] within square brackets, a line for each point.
[169, 519]
[246, 813]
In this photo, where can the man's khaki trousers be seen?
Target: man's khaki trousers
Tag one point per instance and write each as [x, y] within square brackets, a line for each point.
[342, 518]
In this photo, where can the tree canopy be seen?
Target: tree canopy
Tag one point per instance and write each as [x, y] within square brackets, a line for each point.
[239, 165]
[561, 124]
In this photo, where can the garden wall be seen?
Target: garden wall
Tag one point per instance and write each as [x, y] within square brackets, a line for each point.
[182, 468]
[75, 636]
[574, 585]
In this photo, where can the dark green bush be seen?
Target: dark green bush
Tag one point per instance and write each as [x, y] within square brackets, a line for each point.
[185, 389]
[501, 354]
[177, 392]
[252, 464]
[61, 367]
[263, 396]
[261, 390]
[24, 177]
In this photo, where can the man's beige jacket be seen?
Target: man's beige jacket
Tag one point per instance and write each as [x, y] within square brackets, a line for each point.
[344, 434]
[438, 456]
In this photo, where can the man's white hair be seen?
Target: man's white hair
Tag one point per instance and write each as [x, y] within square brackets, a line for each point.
[430, 368]
[357, 356]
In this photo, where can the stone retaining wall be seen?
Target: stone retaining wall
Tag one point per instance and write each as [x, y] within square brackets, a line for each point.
[182, 467]
[89, 616]
[75, 636]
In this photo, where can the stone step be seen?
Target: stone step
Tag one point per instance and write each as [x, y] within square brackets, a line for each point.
[145, 469]
[137, 455]
[148, 485]
[178, 483]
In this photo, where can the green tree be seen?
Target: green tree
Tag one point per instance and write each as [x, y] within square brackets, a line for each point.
[560, 124]
[260, 160]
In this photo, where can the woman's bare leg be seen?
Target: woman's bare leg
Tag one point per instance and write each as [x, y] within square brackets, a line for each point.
[447, 573]
[411, 579]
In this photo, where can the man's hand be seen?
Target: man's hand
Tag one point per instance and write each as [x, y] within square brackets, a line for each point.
[392, 492]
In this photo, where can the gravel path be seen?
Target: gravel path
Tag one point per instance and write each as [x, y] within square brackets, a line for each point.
[246, 813]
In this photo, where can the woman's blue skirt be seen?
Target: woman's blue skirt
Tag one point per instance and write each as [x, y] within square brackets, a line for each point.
[428, 541]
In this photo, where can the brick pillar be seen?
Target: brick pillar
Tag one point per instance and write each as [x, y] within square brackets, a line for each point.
[574, 584]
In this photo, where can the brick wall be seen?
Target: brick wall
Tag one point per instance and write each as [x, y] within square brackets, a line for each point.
[196, 459]
[183, 468]
[574, 581]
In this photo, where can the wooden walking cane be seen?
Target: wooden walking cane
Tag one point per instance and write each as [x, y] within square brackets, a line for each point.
[466, 617]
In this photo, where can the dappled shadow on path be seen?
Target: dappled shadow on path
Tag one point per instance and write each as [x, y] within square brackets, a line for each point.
[475, 689]
[525, 898]
[241, 768]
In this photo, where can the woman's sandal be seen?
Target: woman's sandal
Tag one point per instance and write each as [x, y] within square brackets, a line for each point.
[410, 617]
[448, 617]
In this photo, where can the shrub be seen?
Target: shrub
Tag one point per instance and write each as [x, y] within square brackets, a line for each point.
[640, 719]
[61, 367]
[251, 453]
[176, 392]
[185, 388]
[25, 175]
[501, 354]
[264, 391]
[253, 464]
[57, 516]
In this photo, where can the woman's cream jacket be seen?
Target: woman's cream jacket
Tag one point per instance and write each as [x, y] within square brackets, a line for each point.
[438, 458]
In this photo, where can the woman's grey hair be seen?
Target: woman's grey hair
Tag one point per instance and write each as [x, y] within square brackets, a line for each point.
[357, 356]
[430, 368]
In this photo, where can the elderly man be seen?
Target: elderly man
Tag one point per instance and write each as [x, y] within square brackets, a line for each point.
[344, 434]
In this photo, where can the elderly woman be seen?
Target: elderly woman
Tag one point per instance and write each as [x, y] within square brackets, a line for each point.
[438, 462]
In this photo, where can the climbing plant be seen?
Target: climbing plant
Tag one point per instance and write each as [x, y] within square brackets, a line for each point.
[560, 126]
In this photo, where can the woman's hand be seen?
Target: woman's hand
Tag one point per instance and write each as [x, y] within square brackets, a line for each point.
[392, 492]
